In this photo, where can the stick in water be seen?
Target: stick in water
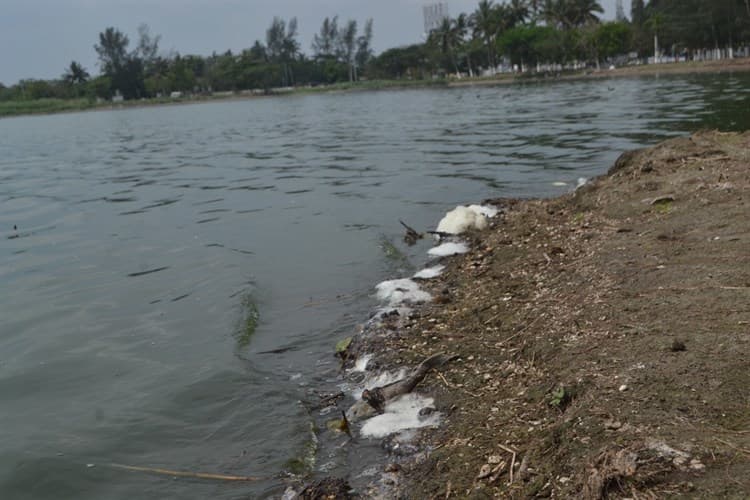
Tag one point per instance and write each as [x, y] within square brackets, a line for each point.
[199, 475]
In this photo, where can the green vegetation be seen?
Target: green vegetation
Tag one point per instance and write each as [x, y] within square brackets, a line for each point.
[43, 105]
[249, 322]
[514, 35]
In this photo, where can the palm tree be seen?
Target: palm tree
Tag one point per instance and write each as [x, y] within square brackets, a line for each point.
[517, 12]
[448, 36]
[584, 12]
[554, 13]
[75, 74]
[484, 21]
[569, 14]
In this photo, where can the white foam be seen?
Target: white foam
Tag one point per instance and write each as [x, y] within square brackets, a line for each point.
[400, 414]
[559, 184]
[486, 210]
[400, 291]
[449, 248]
[382, 379]
[582, 181]
[361, 364]
[430, 272]
[460, 220]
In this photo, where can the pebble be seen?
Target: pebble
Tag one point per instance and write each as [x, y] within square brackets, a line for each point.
[623, 388]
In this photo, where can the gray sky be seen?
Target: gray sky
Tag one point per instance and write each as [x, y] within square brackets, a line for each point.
[39, 38]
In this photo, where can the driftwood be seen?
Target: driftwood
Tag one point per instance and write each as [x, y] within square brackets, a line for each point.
[378, 396]
[412, 235]
[178, 473]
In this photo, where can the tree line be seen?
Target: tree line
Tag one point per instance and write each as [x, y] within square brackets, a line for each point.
[339, 53]
[517, 33]
[526, 33]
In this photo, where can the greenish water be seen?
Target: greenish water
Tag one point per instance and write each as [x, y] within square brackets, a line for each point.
[180, 275]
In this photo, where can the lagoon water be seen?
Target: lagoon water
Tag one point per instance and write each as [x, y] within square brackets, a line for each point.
[148, 238]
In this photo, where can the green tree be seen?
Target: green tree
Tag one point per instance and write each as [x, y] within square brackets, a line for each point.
[126, 71]
[282, 46]
[364, 46]
[112, 50]
[613, 39]
[583, 12]
[76, 74]
[347, 47]
[485, 23]
[148, 45]
[637, 12]
[445, 39]
[325, 43]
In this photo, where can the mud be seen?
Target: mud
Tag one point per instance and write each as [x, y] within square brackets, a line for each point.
[602, 338]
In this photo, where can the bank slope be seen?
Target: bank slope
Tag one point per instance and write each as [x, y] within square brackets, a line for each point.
[603, 337]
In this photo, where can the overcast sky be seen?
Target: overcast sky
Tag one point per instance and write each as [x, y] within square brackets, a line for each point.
[39, 38]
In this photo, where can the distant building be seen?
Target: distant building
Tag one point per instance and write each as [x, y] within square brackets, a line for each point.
[117, 97]
[434, 14]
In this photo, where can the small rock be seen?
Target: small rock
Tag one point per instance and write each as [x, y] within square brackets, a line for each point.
[392, 467]
[696, 464]
[678, 346]
[623, 388]
[612, 425]
[485, 471]
[494, 460]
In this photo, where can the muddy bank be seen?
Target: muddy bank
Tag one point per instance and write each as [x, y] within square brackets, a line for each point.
[602, 338]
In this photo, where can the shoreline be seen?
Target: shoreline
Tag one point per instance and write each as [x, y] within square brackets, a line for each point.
[601, 336]
[655, 70]
[650, 70]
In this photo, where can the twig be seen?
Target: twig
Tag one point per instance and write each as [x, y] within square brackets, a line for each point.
[734, 447]
[512, 460]
[447, 384]
[198, 475]
[519, 332]
[330, 398]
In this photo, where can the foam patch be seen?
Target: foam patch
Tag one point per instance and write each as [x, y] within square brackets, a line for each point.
[446, 249]
[430, 272]
[402, 290]
[400, 414]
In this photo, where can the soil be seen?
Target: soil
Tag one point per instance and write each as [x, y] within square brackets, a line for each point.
[603, 338]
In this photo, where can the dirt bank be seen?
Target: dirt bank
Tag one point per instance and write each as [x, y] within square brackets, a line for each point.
[603, 337]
